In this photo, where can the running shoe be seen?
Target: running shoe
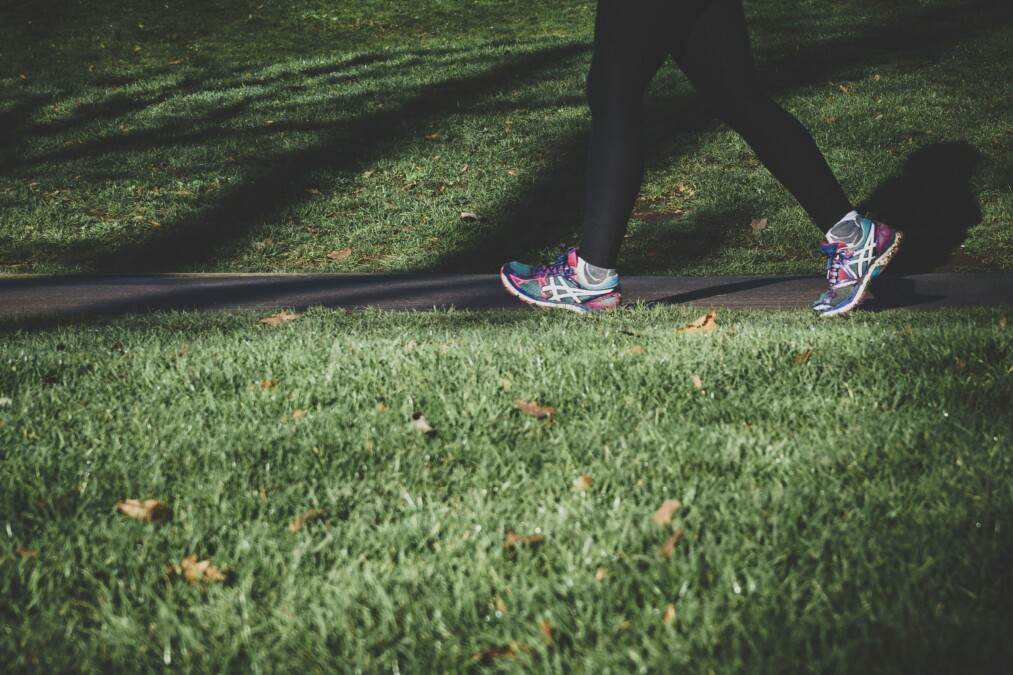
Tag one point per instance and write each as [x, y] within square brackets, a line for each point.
[857, 250]
[565, 284]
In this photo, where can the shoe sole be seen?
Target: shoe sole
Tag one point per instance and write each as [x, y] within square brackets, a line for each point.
[863, 285]
[543, 304]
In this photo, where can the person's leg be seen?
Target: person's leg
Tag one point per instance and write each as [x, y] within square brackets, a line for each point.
[630, 44]
[718, 60]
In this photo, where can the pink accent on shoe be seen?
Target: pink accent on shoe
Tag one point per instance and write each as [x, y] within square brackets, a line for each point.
[884, 237]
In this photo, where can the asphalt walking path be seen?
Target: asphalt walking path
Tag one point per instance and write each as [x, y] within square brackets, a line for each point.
[55, 298]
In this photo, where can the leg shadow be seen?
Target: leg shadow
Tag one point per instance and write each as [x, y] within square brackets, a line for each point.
[932, 202]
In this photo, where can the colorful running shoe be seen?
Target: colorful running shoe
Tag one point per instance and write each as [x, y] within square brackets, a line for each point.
[563, 284]
[857, 250]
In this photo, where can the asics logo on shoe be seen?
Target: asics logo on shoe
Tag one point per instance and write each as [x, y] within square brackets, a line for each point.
[557, 288]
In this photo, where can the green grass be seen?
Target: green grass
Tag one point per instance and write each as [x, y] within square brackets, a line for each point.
[846, 514]
[247, 136]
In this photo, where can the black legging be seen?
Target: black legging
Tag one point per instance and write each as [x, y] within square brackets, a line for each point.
[709, 41]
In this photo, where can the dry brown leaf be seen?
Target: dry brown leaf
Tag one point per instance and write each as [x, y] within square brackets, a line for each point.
[23, 552]
[668, 508]
[498, 652]
[669, 616]
[758, 225]
[148, 511]
[514, 540]
[302, 518]
[601, 573]
[668, 548]
[803, 356]
[298, 414]
[534, 409]
[194, 570]
[381, 406]
[267, 384]
[546, 628]
[313, 191]
[1002, 322]
[281, 317]
[421, 424]
[339, 254]
[505, 384]
[637, 349]
[501, 606]
[707, 322]
[697, 382]
[582, 482]
[844, 88]
[960, 363]
[470, 217]
[433, 136]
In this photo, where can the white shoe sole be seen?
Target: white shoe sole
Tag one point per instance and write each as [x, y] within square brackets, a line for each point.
[863, 285]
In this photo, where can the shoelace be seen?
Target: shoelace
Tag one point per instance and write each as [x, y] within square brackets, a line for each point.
[558, 268]
[837, 259]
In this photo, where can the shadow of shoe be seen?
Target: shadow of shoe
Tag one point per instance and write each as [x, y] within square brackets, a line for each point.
[932, 203]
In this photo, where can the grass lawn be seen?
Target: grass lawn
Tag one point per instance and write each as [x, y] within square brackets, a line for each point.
[846, 492]
[252, 136]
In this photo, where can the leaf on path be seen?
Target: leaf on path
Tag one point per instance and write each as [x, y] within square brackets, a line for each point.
[281, 317]
[339, 254]
[697, 382]
[757, 225]
[194, 570]
[668, 548]
[304, 517]
[23, 552]
[534, 409]
[421, 424]
[668, 508]
[489, 655]
[148, 510]
[803, 357]
[582, 482]
[601, 573]
[546, 628]
[470, 216]
[514, 540]
[707, 322]
[669, 616]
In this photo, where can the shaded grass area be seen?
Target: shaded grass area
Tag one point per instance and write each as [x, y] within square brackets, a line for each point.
[849, 512]
[258, 137]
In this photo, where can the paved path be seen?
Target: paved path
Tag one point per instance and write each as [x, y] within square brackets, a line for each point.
[47, 297]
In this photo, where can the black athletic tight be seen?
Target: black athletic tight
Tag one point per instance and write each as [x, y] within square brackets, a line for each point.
[709, 41]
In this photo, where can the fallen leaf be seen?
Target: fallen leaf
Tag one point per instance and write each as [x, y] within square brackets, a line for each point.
[23, 552]
[514, 540]
[637, 349]
[582, 482]
[668, 548]
[340, 254]
[421, 424]
[844, 88]
[758, 225]
[410, 346]
[302, 518]
[470, 217]
[534, 409]
[707, 322]
[313, 191]
[194, 570]
[876, 77]
[281, 317]
[498, 652]
[1002, 322]
[546, 629]
[684, 190]
[433, 136]
[298, 414]
[266, 384]
[803, 356]
[505, 384]
[960, 363]
[697, 382]
[601, 573]
[501, 606]
[669, 616]
[381, 406]
[664, 514]
[148, 511]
